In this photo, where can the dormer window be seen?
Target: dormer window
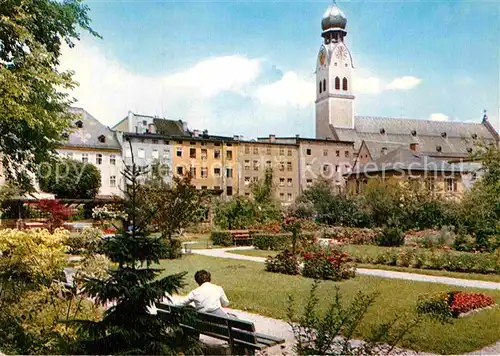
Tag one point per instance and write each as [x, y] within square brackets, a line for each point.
[79, 124]
[382, 131]
[444, 134]
[439, 148]
[469, 149]
[414, 133]
[102, 139]
[65, 135]
[474, 136]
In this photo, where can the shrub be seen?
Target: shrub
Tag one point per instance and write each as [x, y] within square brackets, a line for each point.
[390, 236]
[281, 241]
[351, 235]
[89, 241]
[173, 248]
[328, 265]
[285, 263]
[221, 238]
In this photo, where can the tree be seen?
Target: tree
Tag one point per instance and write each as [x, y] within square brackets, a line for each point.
[70, 179]
[173, 206]
[266, 207]
[133, 285]
[238, 213]
[33, 92]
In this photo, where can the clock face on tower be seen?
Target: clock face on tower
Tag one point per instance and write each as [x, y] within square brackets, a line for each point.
[322, 56]
[341, 53]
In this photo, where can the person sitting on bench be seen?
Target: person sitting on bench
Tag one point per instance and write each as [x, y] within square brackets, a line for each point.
[208, 297]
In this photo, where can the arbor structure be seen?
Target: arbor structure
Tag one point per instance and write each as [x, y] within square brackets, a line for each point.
[70, 179]
[33, 91]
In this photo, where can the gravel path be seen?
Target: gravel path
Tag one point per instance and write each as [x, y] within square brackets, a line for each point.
[222, 253]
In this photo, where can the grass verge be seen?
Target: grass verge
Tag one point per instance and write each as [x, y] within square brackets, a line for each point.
[249, 287]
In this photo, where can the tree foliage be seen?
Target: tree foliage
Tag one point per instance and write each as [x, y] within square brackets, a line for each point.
[238, 213]
[70, 179]
[33, 91]
[127, 326]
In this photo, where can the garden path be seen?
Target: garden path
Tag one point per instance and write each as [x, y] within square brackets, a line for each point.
[223, 253]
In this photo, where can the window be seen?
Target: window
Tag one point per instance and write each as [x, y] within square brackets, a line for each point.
[451, 185]
[289, 196]
[320, 87]
[289, 152]
[346, 154]
[337, 83]
[289, 166]
[204, 172]
[203, 153]
[347, 168]
[229, 155]
[166, 154]
[325, 153]
[344, 84]
[112, 181]
[179, 142]
[255, 179]
[165, 142]
[268, 150]
[98, 158]
[429, 184]
[326, 168]
[192, 143]
[337, 168]
[85, 157]
[308, 151]
[128, 152]
[309, 182]
[282, 166]
[216, 187]
[229, 191]
[255, 165]
[337, 153]
[217, 172]
[102, 139]
[79, 124]
[144, 122]
[155, 142]
[193, 171]
[255, 150]
[180, 170]
[155, 153]
[282, 182]
[204, 187]
[141, 153]
[247, 149]
[217, 154]
[282, 151]
[217, 144]
[324, 84]
[112, 160]
[229, 172]
[268, 164]
[247, 180]
[179, 152]
[282, 196]
[192, 153]
[289, 182]
[247, 194]
[229, 144]
[247, 165]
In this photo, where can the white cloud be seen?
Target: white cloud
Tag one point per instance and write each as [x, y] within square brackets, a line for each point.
[404, 83]
[289, 90]
[439, 117]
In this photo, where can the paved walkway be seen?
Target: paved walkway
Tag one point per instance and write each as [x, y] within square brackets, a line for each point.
[222, 253]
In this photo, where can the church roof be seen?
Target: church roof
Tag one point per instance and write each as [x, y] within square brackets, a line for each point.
[434, 137]
[404, 159]
[90, 133]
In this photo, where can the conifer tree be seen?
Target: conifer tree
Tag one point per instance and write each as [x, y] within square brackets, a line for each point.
[127, 327]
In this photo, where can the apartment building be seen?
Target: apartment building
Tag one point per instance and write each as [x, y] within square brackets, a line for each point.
[282, 157]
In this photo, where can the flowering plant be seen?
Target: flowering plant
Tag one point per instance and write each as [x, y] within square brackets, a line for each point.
[106, 213]
[330, 264]
[285, 263]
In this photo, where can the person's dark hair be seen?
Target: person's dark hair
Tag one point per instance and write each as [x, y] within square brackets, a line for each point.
[202, 276]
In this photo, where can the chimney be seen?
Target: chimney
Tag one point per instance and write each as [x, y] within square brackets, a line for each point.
[272, 138]
[384, 151]
[414, 147]
[196, 133]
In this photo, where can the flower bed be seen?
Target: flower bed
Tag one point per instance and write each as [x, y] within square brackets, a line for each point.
[351, 235]
[327, 264]
[453, 304]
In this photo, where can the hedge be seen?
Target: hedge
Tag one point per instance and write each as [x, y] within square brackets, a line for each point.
[280, 242]
[221, 238]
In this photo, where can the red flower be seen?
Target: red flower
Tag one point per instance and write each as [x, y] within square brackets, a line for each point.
[308, 256]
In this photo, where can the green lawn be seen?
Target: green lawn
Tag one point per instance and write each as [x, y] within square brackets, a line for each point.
[249, 287]
[374, 249]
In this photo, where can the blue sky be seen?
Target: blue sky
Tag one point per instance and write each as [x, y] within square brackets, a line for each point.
[248, 67]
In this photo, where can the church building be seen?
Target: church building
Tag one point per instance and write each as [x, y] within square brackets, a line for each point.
[376, 136]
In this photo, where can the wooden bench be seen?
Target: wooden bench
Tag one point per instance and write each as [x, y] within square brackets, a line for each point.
[236, 332]
[240, 235]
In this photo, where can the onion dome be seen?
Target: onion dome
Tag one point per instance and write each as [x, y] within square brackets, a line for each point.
[333, 18]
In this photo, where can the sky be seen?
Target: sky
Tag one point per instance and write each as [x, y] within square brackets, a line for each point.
[247, 67]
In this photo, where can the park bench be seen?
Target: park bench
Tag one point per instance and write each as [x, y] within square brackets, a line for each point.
[239, 334]
[240, 235]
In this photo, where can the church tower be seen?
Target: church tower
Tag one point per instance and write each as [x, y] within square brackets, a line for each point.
[334, 67]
